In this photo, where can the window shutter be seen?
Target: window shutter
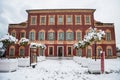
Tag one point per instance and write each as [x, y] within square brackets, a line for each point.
[62, 35]
[66, 35]
[42, 35]
[29, 35]
[32, 35]
[38, 35]
[72, 33]
[78, 36]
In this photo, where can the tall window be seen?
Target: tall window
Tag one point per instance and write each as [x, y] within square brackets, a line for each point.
[22, 52]
[69, 19]
[61, 36]
[77, 19]
[42, 20]
[79, 36]
[11, 52]
[31, 36]
[99, 49]
[79, 52]
[51, 19]
[41, 51]
[69, 50]
[13, 34]
[108, 36]
[60, 19]
[50, 51]
[40, 35]
[51, 36]
[33, 20]
[69, 36]
[22, 34]
[109, 52]
[87, 19]
[89, 52]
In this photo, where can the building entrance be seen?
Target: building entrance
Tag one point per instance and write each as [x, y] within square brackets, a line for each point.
[60, 51]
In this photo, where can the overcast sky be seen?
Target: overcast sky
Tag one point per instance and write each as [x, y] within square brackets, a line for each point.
[14, 11]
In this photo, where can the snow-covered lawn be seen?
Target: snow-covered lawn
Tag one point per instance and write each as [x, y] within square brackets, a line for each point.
[62, 70]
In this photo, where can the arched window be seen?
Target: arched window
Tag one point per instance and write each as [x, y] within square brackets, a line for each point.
[22, 34]
[41, 35]
[41, 52]
[99, 48]
[78, 35]
[79, 52]
[21, 51]
[109, 51]
[69, 35]
[60, 35]
[32, 35]
[13, 33]
[108, 35]
[12, 51]
[89, 51]
[51, 35]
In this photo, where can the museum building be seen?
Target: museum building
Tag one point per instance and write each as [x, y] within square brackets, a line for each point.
[59, 29]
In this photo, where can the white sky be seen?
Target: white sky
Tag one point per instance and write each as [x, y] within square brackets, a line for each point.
[13, 11]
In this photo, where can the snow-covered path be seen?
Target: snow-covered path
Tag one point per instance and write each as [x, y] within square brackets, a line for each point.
[56, 70]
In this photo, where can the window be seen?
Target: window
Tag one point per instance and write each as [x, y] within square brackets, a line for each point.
[11, 52]
[41, 51]
[99, 49]
[51, 19]
[87, 19]
[31, 36]
[33, 20]
[109, 52]
[78, 19]
[43, 20]
[79, 52]
[22, 52]
[50, 50]
[51, 36]
[22, 34]
[60, 19]
[69, 50]
[13, 34]
[69, 36]
[69, 19]
[108, 36]
[88, 52]
[40, 35]
[79, 36]
[61, 36]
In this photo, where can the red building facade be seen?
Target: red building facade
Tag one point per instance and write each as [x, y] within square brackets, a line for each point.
[59, 29]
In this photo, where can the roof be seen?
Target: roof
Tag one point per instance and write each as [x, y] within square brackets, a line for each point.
[59, 10]
[98, 23]
[18, 25]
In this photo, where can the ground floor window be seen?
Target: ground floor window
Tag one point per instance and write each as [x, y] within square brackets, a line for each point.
[79, 52]
[88, 52]
[11, 52]
[69, 50]
[22, 52]
[50, 51]
[99, 49]
[41, 51]
[109, 52]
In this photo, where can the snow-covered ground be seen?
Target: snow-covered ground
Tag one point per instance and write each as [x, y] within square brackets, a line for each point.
[62, 70]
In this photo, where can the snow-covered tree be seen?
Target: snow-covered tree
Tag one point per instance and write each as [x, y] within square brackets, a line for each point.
[92, 35]
[7, 40]
[23, 42]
